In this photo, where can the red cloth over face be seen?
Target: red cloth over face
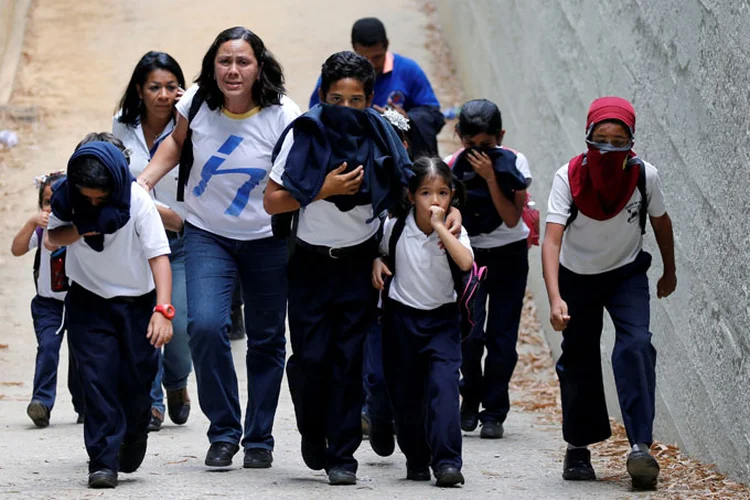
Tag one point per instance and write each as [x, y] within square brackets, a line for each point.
[602, 183]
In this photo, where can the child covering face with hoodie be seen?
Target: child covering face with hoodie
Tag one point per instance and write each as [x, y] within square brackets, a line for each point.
[118, 306]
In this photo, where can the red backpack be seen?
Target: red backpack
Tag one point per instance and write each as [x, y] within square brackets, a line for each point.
[530, 214]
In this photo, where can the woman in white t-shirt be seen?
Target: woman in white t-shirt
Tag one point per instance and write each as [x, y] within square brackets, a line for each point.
[238, 110]
[145, 118]
[593, 260]
[498, 236]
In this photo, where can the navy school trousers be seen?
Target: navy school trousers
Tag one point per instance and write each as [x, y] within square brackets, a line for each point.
[49, 327]
[117, 365]
[332, 306]
[508, 268]
[624, 293]
[421, 360]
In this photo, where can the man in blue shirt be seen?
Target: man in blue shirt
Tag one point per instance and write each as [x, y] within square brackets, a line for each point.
[400, 83]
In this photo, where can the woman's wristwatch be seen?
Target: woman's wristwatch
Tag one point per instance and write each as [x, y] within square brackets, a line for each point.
[167, 310]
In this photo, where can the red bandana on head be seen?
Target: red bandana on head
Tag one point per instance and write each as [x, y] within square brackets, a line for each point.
[601, 182]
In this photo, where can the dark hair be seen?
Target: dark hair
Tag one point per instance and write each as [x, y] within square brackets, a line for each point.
[369, 31]
[89, 172]
[106, 137]
[266, 92]
[347, 64]
[48, 181]
[424, 168]
[133, 109]
[479, 116]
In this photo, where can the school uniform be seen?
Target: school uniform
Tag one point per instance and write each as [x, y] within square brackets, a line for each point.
[108, 309]
[331, 307]
[603, 266]
[175, 362]
[422, 348]
[505, 254]
[47, 313]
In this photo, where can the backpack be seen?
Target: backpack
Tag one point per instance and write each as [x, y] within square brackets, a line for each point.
[642, 210]
[530, 214]
[58, 277]
[466, 283]
[186, 156]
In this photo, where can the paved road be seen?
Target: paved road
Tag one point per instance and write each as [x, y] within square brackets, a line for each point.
[77, 58]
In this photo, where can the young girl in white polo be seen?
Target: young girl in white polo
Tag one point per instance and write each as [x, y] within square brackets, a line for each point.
[421, 332]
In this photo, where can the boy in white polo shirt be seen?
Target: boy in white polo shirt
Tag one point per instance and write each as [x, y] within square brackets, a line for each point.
[593, 260]
[117, 253]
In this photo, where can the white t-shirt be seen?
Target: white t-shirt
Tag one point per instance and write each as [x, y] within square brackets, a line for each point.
[505, 235]
[422, 278]
[591, 246]
[321, 222]
[165, 191]
[122, 268]
[224, 194]
[44, 283]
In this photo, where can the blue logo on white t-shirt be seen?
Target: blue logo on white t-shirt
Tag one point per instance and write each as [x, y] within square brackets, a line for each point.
[211, 168]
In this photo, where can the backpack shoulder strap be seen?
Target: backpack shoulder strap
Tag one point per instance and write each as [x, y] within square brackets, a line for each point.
[396, 232]
[454, 157]
[38, 254]
[573, 214]
[186, 159]
[643, 211]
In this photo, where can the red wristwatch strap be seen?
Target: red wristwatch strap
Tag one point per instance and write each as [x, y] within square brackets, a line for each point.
[167, 310]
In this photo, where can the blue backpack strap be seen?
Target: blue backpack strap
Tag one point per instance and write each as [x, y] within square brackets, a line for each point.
[573, 214]
[186, 157]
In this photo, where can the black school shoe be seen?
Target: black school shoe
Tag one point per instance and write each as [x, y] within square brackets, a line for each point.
[157, 418]
[257, 458]
[492, 429]
[132, 453]
[178, 405]
[469, 417]
[381, 437]
[220, 454]
[418, 474]
[103, 478]
[38, 413]
[577, 465]
[447, 476]
[341, 477]
[643, 469]
[313, 454]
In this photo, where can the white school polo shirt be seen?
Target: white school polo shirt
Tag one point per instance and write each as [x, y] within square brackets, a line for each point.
[321, 222]
[591, 246]
[505, 235]
[44, 283]
[165, 191]
[422, 279]
[122, 268]
[224, 194]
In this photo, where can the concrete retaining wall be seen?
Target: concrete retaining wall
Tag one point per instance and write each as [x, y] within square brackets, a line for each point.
[683, 63]
[12, 26]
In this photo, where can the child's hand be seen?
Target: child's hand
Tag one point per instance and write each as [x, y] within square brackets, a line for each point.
[337, 182]
[482, 165]
[379, 269]
[159, 330]
[41, 219]
[558, 315]
[437, 217]
[452, 223]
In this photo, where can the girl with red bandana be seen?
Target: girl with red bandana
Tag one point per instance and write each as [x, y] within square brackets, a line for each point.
[593, 259]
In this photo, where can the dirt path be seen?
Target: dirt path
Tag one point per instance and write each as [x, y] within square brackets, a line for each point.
[77, 58]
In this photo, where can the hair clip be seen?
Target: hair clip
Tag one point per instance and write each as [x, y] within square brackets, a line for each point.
[396, 119]
[41, 179]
